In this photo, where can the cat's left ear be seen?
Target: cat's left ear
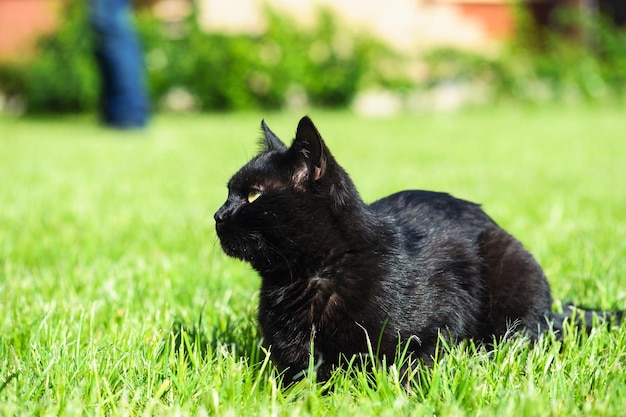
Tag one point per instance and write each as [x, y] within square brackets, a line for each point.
[308, 147]
[271, 140]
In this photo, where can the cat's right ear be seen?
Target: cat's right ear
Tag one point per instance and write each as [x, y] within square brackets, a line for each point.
[272, 143]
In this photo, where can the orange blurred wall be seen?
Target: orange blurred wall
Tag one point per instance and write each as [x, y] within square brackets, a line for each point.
[22, 22]
[495, 17]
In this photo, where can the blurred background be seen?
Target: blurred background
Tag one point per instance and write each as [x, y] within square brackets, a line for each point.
[376, 57]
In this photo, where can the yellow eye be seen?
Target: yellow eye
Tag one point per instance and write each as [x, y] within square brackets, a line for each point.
[253, 195]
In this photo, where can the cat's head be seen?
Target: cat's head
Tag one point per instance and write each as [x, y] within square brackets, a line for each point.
[285, 201]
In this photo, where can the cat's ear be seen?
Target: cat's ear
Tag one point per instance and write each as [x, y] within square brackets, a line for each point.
[272, 143]
[308, 147]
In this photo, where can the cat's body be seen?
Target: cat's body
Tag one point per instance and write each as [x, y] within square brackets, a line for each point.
[338, 274]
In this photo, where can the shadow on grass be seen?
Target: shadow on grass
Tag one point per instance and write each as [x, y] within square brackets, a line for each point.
[230, 336]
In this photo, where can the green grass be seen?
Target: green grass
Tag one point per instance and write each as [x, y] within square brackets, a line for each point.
[107, 250]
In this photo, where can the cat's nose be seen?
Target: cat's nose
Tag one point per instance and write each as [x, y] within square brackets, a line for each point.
[220, 215]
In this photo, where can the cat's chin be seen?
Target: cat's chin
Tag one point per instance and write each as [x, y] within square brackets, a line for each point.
[235, 250]
[231, 243]
[230, 251]
[263, 267]
[262, 264]
[238, 249]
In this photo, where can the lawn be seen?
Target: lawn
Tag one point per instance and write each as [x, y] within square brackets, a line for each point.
[115, 297]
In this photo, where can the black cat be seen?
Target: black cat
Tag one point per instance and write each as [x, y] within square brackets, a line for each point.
[340, 273]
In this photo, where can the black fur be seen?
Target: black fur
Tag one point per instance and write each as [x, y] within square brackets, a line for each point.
[405, 269]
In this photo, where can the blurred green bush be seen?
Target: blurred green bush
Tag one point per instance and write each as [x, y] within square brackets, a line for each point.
[188, 68]
[579, 57]
[572, 59]
[62, 77]
[322, 66]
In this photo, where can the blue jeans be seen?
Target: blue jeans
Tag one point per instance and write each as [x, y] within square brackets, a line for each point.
[119, 57]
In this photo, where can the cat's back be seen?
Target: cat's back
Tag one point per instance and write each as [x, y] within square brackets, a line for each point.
[419, 209]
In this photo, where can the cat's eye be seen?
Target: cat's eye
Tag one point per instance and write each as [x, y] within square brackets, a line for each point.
[253, 195]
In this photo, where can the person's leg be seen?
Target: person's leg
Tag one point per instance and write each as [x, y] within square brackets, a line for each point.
[119, 57]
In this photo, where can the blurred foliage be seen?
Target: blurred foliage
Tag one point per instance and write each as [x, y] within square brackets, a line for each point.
[579, 56]
[188, 68]
[286, 64]
[62, 78]
[574, 58]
